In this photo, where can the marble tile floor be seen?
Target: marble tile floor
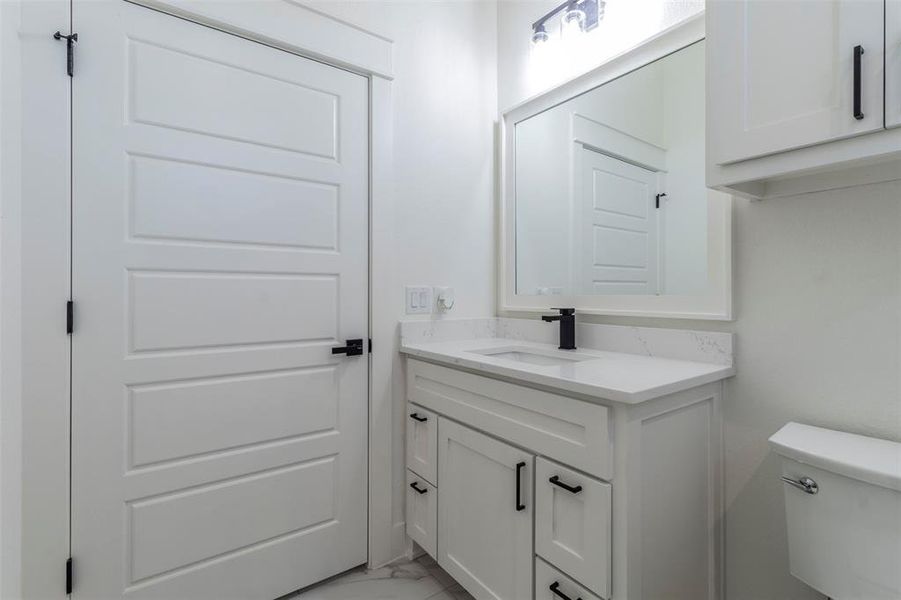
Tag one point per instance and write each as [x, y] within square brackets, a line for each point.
[419, 579]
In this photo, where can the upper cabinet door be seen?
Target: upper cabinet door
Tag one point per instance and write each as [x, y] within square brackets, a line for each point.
[893, 63]
[782, 75]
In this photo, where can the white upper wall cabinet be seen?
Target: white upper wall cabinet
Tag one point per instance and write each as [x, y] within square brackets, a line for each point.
[801, 95]
[893, 63]
[784, 74]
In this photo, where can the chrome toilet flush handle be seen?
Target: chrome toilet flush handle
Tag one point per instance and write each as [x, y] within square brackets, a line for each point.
[805, 484]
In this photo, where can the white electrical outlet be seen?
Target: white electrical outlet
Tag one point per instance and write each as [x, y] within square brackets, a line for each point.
[444, 298]
[418, 299]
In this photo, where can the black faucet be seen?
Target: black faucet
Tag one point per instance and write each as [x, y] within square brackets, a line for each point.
[567, 318]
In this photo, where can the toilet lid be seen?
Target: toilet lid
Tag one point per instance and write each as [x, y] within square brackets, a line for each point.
[868, 459]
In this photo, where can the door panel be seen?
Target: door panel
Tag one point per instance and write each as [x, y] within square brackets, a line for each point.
[892, 63]
[220, 252]
[620, 225]
[771, 89]
[484, 540]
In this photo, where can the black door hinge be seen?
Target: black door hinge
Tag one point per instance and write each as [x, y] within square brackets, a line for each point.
[69, 575]
[370, 345]
[70, 316]
[657, 200]
[70, 50]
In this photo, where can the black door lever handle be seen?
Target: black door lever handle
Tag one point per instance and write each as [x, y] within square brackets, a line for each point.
[352, 348]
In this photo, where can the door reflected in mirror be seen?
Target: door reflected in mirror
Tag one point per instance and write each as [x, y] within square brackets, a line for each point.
[609, 187]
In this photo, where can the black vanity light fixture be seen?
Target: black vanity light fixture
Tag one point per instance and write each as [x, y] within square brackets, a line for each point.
[585, 14]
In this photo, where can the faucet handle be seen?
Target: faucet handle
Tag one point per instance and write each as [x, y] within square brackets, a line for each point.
[566, 311]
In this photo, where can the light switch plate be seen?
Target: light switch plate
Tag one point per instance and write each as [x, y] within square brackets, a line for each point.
[418, 299]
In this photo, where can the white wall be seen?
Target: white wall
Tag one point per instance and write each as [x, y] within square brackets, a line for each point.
[817, 285]
[444, 114]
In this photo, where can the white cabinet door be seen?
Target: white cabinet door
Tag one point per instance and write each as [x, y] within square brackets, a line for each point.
[422, 443]
[484, 513]
[219, 254]
[781, 74]
[892, 63]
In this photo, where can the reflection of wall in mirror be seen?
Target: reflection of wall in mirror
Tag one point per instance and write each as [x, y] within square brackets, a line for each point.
[660, 104]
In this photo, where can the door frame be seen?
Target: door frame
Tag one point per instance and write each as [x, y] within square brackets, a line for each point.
[35, 266]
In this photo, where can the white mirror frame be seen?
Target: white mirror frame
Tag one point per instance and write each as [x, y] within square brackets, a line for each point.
[715, 303]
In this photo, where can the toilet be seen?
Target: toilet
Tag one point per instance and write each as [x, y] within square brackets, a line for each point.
[843, 511]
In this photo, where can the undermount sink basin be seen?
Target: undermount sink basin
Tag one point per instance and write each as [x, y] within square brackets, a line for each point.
[534, 356]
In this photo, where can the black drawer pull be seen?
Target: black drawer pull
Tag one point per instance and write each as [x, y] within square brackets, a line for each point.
[574, 489]
[416, 417]
[418, 489]
[858, 110]
[519, 468]
[555, 587]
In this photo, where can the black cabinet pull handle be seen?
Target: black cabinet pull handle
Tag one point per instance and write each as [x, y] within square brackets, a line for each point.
[569, 488]
[858, 110]
[519, 468]
[416, 417]
[351, 348]
[418, 489]
[555, 587]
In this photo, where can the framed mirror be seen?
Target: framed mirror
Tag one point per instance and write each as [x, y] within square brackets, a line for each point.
[604, 203]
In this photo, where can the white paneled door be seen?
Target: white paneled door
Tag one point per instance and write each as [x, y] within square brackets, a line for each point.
[619, 227]
[219, 254]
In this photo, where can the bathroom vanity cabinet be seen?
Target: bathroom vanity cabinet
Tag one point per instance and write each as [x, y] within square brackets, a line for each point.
[523, 491]
[802, 95]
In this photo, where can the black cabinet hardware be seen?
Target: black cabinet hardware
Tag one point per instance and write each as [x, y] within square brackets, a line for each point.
[657, 200]
[569, 488]
[519, 468]
[70, 317]
[416, 417]
[70, 50]
[555, 587]
[858, 110]
[418, 489]
[352, 348]
[69, 575]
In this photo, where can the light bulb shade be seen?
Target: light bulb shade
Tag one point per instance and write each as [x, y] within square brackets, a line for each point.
[574, 17]
[539, 35]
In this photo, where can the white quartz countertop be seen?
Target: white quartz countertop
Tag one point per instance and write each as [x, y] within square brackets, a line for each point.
[615, 376]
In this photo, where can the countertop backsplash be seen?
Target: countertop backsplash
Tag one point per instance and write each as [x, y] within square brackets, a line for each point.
[683, 344]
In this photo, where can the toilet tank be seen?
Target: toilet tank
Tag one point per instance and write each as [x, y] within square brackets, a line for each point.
[844, 521]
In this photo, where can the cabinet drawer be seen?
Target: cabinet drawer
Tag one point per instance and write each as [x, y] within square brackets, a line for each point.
[569, 430]
[422, 443]
[422, 513]
[572, 524]
[551, 584]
